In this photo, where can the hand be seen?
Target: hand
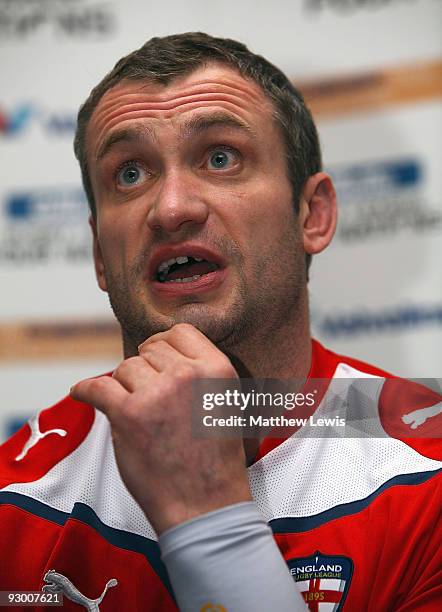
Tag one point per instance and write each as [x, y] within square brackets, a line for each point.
[173, 476]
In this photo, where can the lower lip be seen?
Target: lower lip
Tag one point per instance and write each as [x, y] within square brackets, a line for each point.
[206, 282]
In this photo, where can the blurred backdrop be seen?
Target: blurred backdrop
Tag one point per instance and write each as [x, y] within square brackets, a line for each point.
[371, 71]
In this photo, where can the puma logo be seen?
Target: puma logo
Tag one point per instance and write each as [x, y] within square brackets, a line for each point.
[418, 417]
[37, 435]
[57, 583]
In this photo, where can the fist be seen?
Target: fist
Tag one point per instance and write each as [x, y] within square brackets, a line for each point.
[173, 476]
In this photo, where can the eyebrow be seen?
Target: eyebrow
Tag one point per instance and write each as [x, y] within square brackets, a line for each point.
[132, 134]
[193, 127]
[198, 125]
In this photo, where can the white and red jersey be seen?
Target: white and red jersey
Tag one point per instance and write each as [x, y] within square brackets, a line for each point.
[356, 519]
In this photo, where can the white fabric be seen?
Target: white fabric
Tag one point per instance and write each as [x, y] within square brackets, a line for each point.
[301, 477]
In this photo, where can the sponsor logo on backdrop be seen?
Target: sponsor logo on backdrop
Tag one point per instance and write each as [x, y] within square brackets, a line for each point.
[17, 120]
[43, 225]
[383, 198]
[68, 18]
[359, 322]
[345, 7]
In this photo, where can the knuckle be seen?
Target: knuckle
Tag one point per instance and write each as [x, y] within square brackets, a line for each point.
[116, 373]
[183, 327]
[97, 384]
[166, 389]
[224, 367]
[143, 345]
[153, 346]
[185, 372]
[125, 366]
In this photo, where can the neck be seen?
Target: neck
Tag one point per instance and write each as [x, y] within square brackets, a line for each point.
[280, 353]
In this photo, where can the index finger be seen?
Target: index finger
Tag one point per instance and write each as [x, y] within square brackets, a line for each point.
[104, 393]
[186, 339]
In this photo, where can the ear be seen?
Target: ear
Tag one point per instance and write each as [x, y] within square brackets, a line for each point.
[98, 257]
[318, 213]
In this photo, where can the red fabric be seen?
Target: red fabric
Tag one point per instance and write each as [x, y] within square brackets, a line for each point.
[395, 543]
[391, 572]
[401, 397]
[74, 417]
[32, 545]
[25, 548]
[92, 562]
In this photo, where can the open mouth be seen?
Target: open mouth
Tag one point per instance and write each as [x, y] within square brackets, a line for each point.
[184, 269]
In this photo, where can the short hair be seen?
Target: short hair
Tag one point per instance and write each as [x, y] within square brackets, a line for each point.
[160, 60]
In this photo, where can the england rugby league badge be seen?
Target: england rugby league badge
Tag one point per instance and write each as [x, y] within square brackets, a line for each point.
[323, 580]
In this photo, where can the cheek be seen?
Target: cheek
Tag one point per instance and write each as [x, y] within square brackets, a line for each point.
[115, 245]
[267, 212]
[120, 224]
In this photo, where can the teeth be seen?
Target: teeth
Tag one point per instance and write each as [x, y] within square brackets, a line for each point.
[164, 266]
[184, 280]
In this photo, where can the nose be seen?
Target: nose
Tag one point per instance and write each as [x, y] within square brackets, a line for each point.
[178, 202]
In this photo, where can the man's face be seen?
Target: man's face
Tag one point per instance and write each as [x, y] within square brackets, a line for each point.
[195, 216]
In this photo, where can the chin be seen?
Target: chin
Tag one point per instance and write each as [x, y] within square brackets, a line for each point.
[215, 326]
[221, 327]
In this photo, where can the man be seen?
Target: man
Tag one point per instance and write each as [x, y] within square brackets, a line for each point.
[203, 172]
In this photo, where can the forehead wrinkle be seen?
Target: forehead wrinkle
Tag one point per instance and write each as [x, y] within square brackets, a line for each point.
[139, 100]
[198, 125]
[153, 100]
[119, 108]
[205, 86]
[132, 115]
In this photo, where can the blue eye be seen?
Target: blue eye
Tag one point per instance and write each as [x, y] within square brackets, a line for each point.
[220, 159]
[131, 174]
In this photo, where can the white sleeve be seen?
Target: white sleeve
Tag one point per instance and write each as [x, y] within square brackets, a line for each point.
[228, 560]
